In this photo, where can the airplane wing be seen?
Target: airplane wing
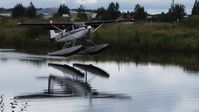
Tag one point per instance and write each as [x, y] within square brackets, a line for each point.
[64, 25]
[95, 24]
[48, 26]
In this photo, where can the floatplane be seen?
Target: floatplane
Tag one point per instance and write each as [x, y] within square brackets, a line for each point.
[70, 33]
[76, 84]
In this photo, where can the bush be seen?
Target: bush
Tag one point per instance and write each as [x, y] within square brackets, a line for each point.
[191, 22]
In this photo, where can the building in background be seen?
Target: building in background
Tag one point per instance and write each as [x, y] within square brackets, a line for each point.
[5, 14]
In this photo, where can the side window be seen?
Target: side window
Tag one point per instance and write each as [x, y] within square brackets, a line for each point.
[76, 26]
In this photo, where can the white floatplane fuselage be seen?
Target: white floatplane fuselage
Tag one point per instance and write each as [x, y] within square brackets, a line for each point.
[66, 36]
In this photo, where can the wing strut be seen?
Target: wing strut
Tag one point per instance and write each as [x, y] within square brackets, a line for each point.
[97, 28]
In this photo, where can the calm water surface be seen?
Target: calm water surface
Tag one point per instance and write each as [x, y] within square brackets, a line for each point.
[152, 87]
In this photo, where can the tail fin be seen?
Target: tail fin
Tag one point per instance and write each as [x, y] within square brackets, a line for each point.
[52, 34]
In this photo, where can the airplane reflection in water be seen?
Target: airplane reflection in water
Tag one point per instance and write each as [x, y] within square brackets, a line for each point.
[75, 84]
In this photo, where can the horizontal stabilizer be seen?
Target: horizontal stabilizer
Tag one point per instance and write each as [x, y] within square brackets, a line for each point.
[66, 51]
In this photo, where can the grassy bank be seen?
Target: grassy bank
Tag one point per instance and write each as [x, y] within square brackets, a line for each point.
[122, 38]
[14, 36]
[149, 37]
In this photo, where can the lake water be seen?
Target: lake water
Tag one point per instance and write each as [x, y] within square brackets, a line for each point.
[151, 86]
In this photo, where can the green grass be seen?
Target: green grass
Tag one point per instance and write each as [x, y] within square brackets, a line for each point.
[122, 38]
[147, 37]
[191, 22]
[13, 36]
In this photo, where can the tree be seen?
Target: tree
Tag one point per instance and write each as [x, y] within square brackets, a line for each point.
[176, 12]
[195, 9]
[101, 13]
[139, 12]
[113, 11]
[82, 13]
[18, 11]
[164, 17]
[31, 11]
[63, 9]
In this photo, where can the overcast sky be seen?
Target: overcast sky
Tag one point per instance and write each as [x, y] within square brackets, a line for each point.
[152, 6]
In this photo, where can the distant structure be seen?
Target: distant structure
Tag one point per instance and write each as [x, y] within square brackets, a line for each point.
[5, 14]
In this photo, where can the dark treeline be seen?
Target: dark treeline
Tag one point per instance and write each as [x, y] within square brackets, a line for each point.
[63, 9]
[195, 9]
[175, 13]
[81, 13]
[20, 11]
[112, 12]
[5, 10]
